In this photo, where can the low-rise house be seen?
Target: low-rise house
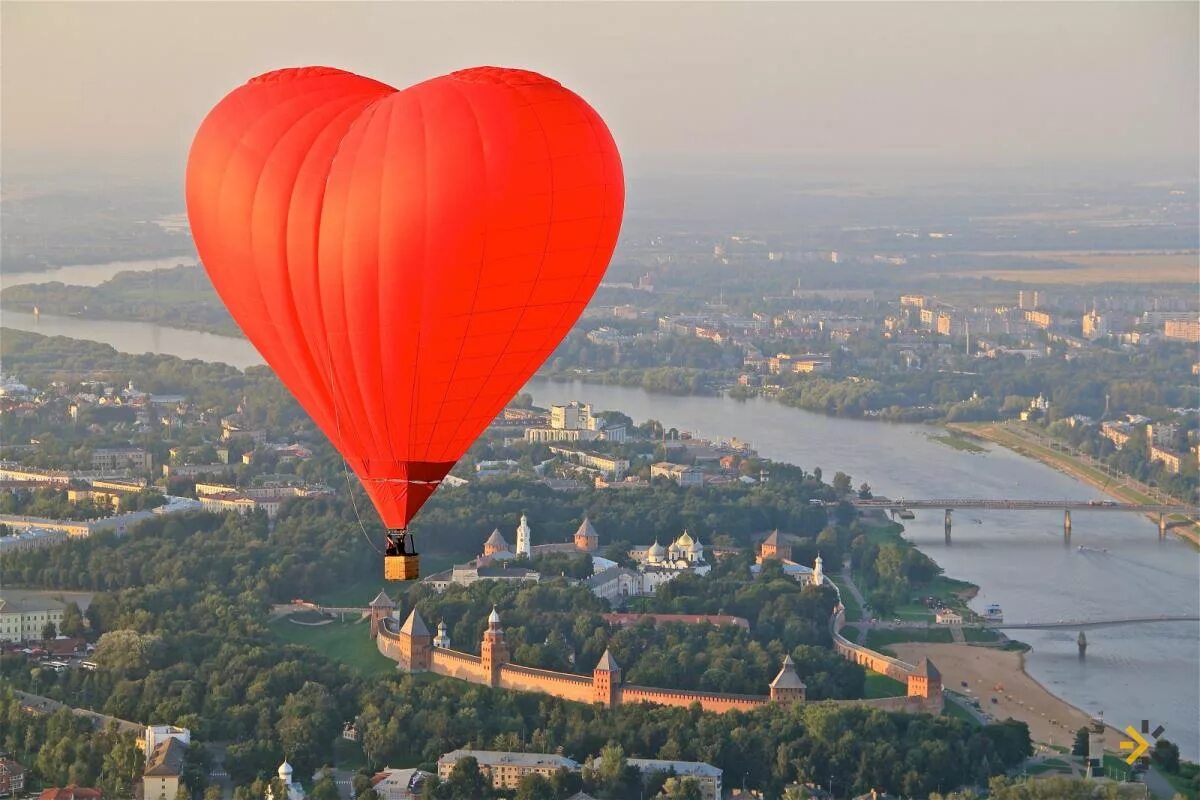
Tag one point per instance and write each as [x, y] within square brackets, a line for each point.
[400, 784]
[164, 766]
[706, 775]
[71, 792]
[12, 777]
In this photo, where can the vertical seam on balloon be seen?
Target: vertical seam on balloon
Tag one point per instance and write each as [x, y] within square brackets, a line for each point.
[269, 318]
[387, 130]
[321, 377]
[421, 316]
[323, 339]
[370, 116]
[478, 272]
[541, 261]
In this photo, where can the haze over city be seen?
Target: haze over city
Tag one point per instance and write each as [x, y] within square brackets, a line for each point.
[598, 401]
[975, 83]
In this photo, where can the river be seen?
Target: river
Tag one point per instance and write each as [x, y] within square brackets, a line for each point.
[91, 274]
[1018, 558]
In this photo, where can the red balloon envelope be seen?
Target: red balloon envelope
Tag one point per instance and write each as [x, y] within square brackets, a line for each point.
[404, 259]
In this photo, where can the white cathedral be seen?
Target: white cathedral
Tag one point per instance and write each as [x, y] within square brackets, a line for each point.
[659, 565]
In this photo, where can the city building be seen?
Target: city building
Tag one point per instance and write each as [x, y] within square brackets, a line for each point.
[706, 775]
[504, 769]
[400, 784]
[607, 466]
[12, 777]
[946, 616]
[1182, 330]
[615, 584]
[23, 617]
[164, 766]
[1038, 319]
[157, 734]
[1172, 461]
[108, 459]
[1095, 326]
[682, 474]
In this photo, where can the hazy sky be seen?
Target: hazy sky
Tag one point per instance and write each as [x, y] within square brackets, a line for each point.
[967, 82]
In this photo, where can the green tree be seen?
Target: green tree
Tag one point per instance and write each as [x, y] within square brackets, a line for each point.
[1166, 755]
[49, 631]
[465, 782]
[72, 620]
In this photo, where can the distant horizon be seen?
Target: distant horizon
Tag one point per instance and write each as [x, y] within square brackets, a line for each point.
[121, 87]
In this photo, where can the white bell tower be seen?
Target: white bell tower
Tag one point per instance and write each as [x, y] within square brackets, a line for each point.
[523, 533]
[818, 573]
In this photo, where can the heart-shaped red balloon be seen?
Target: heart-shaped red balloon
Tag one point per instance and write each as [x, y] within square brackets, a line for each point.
[404, 260]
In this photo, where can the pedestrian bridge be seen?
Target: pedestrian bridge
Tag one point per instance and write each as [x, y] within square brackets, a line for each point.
[1083, 624]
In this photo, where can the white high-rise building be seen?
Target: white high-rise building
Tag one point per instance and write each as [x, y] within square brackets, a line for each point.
[523, 543]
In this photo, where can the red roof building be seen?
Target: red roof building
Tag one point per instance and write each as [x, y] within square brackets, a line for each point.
[71, 792]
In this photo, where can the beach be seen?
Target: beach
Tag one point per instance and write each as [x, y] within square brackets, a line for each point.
[990, 672]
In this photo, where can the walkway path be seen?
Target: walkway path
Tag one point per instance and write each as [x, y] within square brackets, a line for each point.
[862, 624]
[44, 705]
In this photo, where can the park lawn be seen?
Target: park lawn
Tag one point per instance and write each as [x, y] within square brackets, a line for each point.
[850, 632]
[347, 642]
[914, 612]
[1045, 767]
[877, 638]
[980, 635]
[1180, 784]
[879, 685]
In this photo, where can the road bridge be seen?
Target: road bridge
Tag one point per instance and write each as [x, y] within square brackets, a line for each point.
[901, 505]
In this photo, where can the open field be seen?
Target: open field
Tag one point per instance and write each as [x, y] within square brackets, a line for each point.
[346, 642]
[877, 638]
[1085, 267]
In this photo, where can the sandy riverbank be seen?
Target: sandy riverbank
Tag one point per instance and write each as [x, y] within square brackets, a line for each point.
[1051, 720]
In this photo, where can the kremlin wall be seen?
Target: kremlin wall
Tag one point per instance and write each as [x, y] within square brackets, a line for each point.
[415, 649]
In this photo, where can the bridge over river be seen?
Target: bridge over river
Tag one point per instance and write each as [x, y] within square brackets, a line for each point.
[902, 506]
[1082, 624]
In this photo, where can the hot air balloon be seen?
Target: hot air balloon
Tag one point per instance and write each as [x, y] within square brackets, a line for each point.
[404, 260]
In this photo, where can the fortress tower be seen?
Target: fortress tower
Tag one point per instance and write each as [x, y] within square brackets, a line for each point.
[787, 686]
[495, 544]
[381, 608]
[523, 543]
[494, 651]
[926, 682]
[586, 538]
[606, 677]
[818, 574]
[415, 644]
